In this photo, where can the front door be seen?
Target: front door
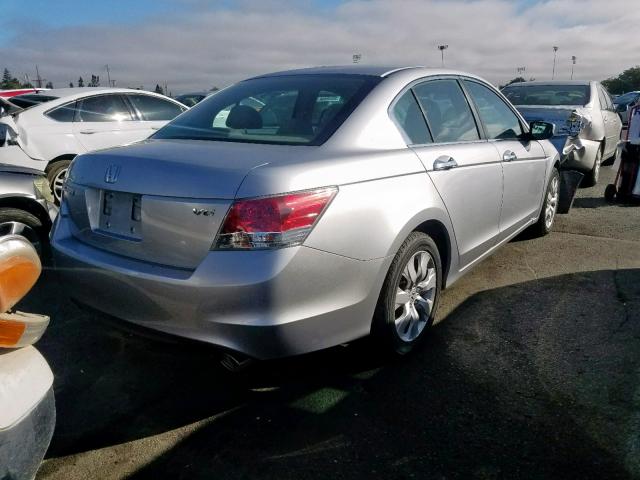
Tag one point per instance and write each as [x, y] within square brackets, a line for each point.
[524, 162]
[103, 121]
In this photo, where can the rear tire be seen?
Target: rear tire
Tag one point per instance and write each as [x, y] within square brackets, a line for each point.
[56, 175]
[409, 298]
[549, 207]
[592, 177]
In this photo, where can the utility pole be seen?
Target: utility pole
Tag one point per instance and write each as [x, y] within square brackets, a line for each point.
[357, 57]
[573, 63]
[520, 71]
[38, 78]
[108, 74]
[442, 48]
[555, 51]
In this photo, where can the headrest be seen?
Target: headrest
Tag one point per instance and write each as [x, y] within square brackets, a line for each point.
[243, 117]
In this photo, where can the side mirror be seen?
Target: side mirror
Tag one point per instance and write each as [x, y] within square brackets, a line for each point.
[540, 130]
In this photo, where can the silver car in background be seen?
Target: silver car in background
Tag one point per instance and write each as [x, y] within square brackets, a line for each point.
[300, 210]
[587, 126]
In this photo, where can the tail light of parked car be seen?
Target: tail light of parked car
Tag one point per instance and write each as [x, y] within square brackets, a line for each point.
[19, 269]
[273, 222]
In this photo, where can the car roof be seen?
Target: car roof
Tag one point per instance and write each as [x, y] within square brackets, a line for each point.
[367, 70]
[65, 95]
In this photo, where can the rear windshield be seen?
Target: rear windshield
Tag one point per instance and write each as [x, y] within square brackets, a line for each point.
[290, 110]
[30, 99]
[548, 94]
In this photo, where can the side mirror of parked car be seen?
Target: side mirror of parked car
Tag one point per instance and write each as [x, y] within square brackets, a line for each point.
[540, 130]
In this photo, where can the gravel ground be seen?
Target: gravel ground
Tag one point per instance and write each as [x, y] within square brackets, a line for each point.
[533, 371]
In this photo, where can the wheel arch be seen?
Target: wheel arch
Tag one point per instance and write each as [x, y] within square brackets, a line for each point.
[66, 156]
[440, 235]
[29, 205]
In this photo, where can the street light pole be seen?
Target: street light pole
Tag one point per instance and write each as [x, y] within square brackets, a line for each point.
[357, 57]
[555, 51]
[520, 71]
[442, 48]
[573, 63]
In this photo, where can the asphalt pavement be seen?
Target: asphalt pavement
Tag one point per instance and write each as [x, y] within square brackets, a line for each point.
[533, 371]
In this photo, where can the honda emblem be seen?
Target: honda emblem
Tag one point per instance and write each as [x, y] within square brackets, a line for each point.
[111, 175]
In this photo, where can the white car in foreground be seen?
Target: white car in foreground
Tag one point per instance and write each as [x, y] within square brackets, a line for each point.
[27, 405]
[63, 123]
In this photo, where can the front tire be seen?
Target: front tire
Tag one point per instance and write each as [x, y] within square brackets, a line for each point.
[550, 206]
[14, 221]
[56, 175]
[409, 298]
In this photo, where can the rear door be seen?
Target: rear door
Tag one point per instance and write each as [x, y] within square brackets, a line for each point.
[103, 121]
[524, 163]
[464, 168]
[152, 113]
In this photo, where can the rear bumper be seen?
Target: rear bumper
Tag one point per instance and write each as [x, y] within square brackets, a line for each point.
[264, 304]
[583, 157]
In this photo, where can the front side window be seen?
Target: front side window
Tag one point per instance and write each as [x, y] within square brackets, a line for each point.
[448, 112]
[407, 115]
[498, 119]
[64, 113]
[548, 95]
[153, 109]
[288, 109]
[103, 108]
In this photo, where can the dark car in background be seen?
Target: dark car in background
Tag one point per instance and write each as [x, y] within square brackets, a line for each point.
[624, 102]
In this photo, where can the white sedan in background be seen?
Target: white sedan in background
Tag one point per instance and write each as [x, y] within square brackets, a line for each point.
[59, 124]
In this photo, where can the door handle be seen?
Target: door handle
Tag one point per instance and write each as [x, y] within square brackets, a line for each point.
[87, 132]
[156, 128]
[444, 162]
[509, 156]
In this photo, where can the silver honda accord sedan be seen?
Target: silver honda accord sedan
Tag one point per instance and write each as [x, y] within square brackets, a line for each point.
[303, 209]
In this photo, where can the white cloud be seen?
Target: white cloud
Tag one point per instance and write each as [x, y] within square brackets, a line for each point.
[200, 46]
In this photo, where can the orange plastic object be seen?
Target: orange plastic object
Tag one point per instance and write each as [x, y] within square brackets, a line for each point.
[10, 332]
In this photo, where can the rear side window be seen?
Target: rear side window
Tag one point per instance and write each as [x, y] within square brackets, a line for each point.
[287, 109]
[154, 108]
[498, 119]
[448, 112]
[64, 113]
[407, 115]
[103, 108]
[605, 101]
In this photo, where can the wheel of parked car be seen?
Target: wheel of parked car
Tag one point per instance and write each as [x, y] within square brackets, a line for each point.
[610, 193]
[56, 174]
[410, 294]
[591, 178]
[14, 221]
[550, 206]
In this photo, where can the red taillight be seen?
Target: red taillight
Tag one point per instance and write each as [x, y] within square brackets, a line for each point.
[273, 222]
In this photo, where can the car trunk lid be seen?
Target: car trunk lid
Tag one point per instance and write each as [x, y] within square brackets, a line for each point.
[160, 201]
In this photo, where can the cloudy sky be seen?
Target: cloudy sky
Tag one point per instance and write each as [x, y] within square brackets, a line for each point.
[196, 44]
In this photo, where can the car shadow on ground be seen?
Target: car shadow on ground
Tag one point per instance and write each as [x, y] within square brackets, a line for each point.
[533, 380]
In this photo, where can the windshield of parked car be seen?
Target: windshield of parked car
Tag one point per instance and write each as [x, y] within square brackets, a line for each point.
[288, 109]
[548, 94]
[30, 99]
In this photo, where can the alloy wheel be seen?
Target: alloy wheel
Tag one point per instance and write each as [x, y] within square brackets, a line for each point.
[552, 202]
[415, 296]
[58, 184]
